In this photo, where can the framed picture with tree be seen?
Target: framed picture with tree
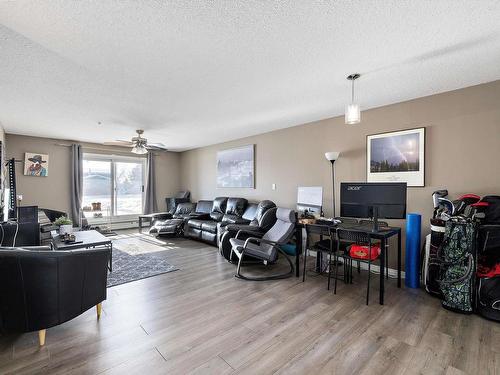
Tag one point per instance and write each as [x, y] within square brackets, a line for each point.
[396, 157]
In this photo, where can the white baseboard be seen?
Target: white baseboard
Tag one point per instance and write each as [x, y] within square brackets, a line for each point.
[118, 225]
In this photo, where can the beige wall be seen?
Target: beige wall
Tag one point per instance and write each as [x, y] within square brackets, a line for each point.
[53, 191]
[462, 151]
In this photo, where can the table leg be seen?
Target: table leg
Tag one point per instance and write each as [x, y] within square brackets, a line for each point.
[382, 271]
[111, 257]
[298, 250]
[399, 259]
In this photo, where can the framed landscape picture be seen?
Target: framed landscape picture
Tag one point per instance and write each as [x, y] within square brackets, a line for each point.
[396, 157]
[235, 167]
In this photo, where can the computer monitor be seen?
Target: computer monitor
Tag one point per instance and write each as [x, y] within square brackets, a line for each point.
[375, 200]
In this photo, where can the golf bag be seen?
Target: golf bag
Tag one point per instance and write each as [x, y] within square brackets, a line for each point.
[456, 259]
[488, 272]
[491, 209]
[431, 264]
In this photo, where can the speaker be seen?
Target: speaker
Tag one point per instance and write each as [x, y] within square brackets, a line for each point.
[27, 214]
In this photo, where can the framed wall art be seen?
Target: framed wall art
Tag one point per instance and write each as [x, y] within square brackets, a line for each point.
[396, 157]
[235, 168]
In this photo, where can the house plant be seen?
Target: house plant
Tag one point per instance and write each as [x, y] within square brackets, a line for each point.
[65, 225]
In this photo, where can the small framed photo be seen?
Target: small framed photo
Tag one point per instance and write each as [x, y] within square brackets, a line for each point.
[396, 157]
[36, 164]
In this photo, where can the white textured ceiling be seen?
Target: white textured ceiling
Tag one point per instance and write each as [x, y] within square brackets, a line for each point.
[193, 73]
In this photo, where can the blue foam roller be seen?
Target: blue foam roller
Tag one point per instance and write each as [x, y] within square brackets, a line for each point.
[412, 255]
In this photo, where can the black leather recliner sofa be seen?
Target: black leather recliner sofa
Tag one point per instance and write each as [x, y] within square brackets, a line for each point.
[204, 227]
[224, 211]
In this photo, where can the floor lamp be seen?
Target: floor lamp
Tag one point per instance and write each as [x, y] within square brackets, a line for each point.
[332, 156]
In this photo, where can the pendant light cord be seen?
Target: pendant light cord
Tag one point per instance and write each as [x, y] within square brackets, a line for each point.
[352, 91]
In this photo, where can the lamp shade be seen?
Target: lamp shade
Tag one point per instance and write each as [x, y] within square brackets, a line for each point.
[140, 150]
[352, 114]
[332, 155]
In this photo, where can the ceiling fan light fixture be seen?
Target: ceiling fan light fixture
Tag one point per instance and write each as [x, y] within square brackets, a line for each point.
[139, 150]
[352, 110]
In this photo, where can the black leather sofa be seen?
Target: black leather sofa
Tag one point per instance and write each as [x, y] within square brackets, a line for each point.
[204, 227]
[223, 211]
[40, 289]
[173, 223]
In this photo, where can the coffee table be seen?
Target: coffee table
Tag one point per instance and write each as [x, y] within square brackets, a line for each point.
[87, 239]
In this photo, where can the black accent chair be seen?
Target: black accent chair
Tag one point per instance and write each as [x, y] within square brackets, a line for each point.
[268, 247]
[255, 221]
[41, 288]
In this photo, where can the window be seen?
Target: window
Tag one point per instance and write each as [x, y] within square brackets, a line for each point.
[112, 185]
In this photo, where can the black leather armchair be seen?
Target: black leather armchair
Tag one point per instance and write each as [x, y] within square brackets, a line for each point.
[40, 289]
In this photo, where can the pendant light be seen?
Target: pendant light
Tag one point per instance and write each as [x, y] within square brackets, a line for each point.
[352, 111]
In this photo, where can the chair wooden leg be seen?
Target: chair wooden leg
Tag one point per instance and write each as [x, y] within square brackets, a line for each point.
[98, 308]
[41, 336]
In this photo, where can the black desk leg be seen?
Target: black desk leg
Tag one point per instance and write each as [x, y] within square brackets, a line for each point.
[111, 257]
[298, 250]
[304, 258]
[382, 271]
[399, 259]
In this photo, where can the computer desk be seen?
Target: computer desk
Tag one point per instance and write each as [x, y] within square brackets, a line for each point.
[383, 234]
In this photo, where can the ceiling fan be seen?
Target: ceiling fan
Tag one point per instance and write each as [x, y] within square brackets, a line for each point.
[139, 144]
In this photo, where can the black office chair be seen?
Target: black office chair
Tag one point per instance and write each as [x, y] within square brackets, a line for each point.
[326, 245]
[381, 225]
[350, 237]
[323, 245]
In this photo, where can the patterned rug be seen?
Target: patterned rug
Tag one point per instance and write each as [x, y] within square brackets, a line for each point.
[137, 257]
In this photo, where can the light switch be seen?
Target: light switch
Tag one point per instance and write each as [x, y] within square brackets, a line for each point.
[273, 186]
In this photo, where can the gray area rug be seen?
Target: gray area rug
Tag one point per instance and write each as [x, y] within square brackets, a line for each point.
[137, 257]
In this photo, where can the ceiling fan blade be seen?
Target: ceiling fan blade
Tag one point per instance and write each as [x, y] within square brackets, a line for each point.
[159, 145]
[118, 143]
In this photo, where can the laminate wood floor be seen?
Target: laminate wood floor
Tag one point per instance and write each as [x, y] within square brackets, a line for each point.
[201, 320]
